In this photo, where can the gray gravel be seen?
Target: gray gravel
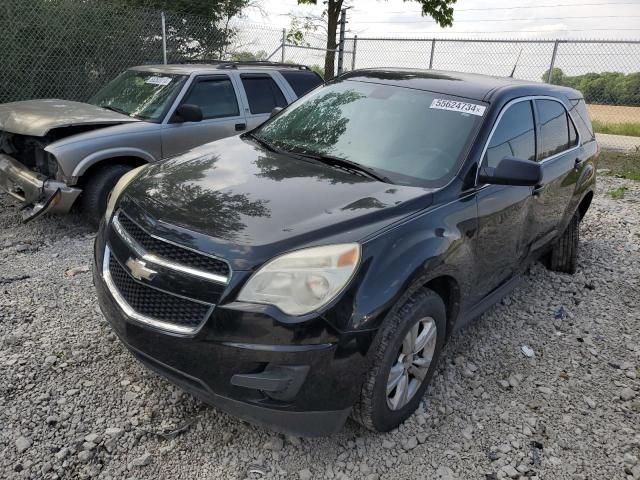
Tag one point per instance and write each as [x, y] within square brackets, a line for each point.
[545, 386]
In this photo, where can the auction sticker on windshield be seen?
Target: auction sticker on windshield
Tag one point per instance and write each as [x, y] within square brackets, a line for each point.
[158, 80]
[455, 106]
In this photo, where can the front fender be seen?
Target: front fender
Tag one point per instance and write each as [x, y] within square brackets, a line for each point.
[96, 157]
[438, 243]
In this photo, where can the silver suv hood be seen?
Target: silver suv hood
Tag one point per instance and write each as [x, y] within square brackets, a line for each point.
[38, 117]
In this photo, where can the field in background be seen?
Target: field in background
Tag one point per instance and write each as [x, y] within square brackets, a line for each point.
[625, 165]
[615, 120]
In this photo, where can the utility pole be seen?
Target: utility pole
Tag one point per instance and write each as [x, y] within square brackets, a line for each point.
[343, 24]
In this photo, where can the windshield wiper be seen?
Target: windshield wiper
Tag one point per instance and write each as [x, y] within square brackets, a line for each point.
[347, 164]
[115, 109]
[262, 142]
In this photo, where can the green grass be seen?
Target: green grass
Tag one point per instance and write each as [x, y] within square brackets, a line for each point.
[617, 193]
[627, 128]
[621, 164]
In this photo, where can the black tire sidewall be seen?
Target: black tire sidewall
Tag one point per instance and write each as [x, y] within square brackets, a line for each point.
[383, 418]
[96, 191]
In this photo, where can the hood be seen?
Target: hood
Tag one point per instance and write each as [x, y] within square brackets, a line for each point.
[243, 201]
[38, 117]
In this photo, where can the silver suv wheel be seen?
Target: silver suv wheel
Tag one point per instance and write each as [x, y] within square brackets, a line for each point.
[412, 365]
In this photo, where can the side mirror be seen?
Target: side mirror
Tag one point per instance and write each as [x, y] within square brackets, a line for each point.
[512, 171]
[275, 111]
[188, 112]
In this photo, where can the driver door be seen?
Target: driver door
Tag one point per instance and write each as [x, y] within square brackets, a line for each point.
[217, 96]
[504, 211]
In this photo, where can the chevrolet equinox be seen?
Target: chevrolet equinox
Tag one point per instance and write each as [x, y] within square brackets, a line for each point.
[313, 268]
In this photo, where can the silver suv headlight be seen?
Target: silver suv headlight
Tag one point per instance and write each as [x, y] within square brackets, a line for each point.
[305, 280]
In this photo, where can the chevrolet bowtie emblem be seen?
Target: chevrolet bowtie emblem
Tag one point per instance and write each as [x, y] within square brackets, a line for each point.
[139, 270]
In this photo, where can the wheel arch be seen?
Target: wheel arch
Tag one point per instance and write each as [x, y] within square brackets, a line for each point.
[129, 156]
[584, 204]
[132, 161]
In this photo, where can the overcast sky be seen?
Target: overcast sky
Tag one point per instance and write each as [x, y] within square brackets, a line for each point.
[600, 19]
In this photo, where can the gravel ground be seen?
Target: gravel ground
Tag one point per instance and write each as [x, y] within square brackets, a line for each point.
[75, 404]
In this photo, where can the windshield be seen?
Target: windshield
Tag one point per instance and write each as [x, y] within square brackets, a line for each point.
[413, 137]
[145, 95]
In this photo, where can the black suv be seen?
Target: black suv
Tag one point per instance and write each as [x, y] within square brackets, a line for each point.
[313, 268]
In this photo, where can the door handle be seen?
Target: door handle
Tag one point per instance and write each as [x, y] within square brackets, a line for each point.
[240, 127]
[537, 190]
[577, 163]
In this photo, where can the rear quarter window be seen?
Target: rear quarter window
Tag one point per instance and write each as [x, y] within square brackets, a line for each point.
[301, 81]
[580, 114]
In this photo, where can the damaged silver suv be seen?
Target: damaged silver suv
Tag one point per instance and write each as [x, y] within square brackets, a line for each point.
[56, 153]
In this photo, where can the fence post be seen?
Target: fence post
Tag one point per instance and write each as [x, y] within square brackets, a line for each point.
[353, 52]
[433, 49]
[284, 40]
[343, 23]
[553, 60]
[164, 39]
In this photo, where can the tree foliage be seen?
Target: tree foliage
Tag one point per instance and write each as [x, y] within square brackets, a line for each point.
[71, 48]
[608, 88]
[440, 10]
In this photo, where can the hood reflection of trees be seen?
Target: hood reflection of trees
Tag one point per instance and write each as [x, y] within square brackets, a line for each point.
[219, 211]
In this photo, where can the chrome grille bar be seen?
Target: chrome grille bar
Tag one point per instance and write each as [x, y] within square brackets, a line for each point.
[150, 257]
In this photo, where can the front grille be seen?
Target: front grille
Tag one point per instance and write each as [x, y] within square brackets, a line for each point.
[172, 252]
[153, 303]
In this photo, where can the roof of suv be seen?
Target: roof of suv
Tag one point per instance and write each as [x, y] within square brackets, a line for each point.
[189, 68]
[470, 85]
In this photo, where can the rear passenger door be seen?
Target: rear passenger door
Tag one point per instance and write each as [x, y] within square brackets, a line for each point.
[559, 154]
[222, 117]
[503, 210]
[263, 94]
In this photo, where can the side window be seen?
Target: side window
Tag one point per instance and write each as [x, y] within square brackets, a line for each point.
[556, 128]
[581, 116]
[215, 96]
[301, 81]
[262, 92]
[514, 136]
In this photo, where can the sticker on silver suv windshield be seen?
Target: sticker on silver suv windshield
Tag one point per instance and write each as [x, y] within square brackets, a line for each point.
[158, 80]
[454, 106]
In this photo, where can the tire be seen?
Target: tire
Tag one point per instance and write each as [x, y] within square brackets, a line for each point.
[372, 409]
[95, 194]
[564, 252]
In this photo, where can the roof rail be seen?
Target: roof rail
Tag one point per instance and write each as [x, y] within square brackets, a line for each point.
[257, 63]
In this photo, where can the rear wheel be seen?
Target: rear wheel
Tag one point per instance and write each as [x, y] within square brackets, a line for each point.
[96, 191]
[564, 253]
[409, 344]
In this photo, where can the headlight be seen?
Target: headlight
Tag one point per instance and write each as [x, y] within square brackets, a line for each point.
[125, 180]
[303, 281]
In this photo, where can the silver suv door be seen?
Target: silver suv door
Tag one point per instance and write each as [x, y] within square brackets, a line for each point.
[222, 116]
[262, 94]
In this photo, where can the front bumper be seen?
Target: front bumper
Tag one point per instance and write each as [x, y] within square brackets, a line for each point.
[228, 361]
[38, 193]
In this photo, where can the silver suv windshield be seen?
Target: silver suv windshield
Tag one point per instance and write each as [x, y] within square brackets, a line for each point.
[408, 136]
[144, 95]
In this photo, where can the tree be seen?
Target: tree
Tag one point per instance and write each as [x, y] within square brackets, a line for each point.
[607, 88]
[247, 56]
[440, 10]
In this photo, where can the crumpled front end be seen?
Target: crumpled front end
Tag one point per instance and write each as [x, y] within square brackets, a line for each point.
[38, 193]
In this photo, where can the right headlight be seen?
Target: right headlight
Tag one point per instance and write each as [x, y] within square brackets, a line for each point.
[125, 180]
[305, 280]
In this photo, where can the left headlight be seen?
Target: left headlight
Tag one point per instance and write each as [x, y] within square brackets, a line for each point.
[125, 180]
[303, 281]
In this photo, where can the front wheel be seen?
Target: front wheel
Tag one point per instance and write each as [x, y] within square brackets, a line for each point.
[407, 351]
[96, 191]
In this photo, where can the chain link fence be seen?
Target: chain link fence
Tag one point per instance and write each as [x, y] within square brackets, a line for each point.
[606, 72]
[70, 48]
